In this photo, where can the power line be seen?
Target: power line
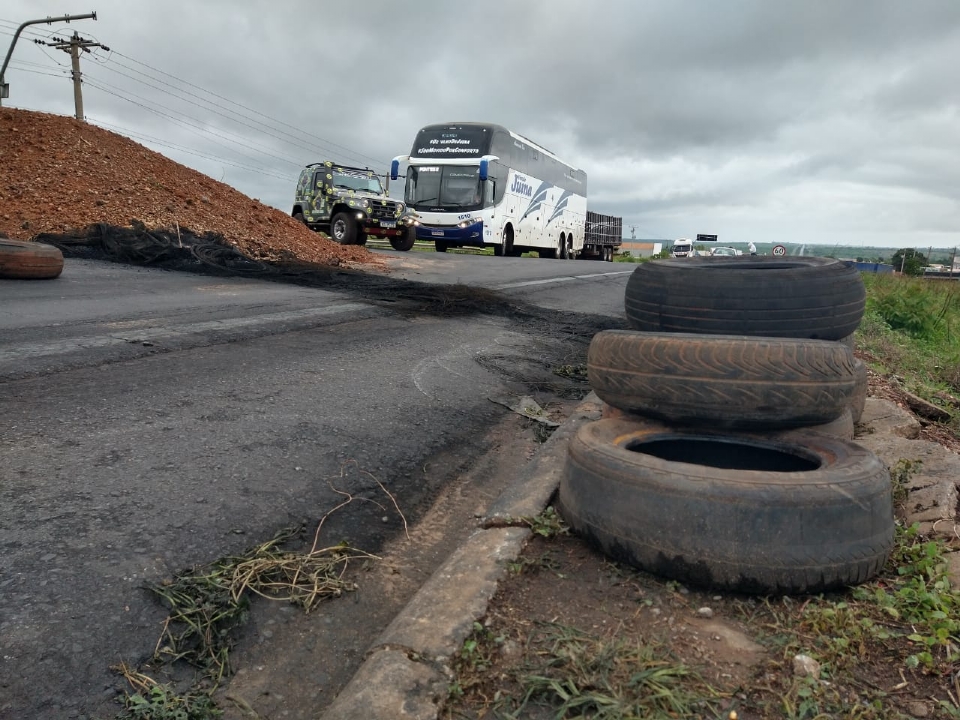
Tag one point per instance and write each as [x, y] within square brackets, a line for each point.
[249, 109]
[229, 114]
[59, 75]
[224, 115]
[73, 46]
[242, 142]
[163, 143]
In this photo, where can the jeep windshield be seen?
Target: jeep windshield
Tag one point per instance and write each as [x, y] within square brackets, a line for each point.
[357, 181]
[443, 187]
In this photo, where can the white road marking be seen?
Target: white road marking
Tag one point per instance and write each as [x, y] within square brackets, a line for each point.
[160, 335]
[547, 281]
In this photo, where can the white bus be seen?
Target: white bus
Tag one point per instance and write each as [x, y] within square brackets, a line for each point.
[480, 185]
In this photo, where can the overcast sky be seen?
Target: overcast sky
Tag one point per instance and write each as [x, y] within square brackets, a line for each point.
[826, 122]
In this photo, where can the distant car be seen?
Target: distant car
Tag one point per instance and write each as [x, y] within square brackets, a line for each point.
[725, 251]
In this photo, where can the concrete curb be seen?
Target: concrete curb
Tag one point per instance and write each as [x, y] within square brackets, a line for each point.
[407, 671]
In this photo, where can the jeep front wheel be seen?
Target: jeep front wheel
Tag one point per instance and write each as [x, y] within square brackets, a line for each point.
[405, 240]
[343, 228]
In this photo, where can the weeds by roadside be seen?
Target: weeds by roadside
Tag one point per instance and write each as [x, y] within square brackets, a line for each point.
[153, 701]
[905, 622]
[911, 333]
[207, 603]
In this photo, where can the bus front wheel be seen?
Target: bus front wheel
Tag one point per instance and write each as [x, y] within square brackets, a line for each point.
[505, 248]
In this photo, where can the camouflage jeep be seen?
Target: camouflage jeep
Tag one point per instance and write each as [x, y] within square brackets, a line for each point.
[349, 204]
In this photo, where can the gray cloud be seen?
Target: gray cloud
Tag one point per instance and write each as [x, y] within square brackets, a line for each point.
[804, 120]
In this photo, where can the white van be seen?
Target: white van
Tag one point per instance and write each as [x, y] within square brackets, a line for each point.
[683, 247]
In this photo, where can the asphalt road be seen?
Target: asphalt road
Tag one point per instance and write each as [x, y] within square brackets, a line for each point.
[152, 420]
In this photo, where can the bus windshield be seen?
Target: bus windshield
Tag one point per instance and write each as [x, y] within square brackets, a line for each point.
[444, 187]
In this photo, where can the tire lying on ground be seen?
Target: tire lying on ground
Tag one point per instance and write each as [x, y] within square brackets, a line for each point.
[779, 513]
[770, 296]
[29, 260]
[723, 381]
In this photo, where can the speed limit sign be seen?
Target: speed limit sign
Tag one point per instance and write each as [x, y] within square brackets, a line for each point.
[779, 250]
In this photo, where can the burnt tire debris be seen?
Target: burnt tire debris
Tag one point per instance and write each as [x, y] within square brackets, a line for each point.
[212, 254]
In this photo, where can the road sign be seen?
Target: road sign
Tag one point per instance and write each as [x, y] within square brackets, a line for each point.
[706, 238]
[779, 250]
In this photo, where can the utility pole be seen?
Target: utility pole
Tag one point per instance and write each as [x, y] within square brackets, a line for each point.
[73, 46]
[4, 87]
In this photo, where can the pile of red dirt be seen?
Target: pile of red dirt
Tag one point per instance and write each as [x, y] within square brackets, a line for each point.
[58, 175]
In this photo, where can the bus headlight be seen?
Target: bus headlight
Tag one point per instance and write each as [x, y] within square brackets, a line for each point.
[469, 221]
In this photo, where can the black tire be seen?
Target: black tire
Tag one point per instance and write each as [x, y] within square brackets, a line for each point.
[405, 241]
[722, 381]
[774, 513]
[765, 295]
[361, 237]
[23, 260]
[439, 246]
[562, 252]
[842, 427]
[343, 228]
[850, 341]
[859, 399]
[506, 246]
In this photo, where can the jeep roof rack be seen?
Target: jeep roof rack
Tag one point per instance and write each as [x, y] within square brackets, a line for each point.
[352, 167]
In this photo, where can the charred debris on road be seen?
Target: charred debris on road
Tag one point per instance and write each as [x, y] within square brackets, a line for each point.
[210, 254]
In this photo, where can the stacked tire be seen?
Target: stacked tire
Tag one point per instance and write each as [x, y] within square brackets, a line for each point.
[727, 460]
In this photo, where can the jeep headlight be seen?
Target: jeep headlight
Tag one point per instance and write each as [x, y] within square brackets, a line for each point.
[365, 203]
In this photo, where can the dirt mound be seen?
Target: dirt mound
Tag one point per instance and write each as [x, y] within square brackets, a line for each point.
[59, 175]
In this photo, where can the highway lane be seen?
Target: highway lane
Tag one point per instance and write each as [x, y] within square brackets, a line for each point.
[153, 420]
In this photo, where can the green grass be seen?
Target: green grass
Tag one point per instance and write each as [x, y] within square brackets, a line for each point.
[575, 674]
[911, 330]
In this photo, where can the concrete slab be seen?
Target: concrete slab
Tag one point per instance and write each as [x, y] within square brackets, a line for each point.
[542, 474]
[882, 417]
[391, 686]
[441, 615]
[932, 488]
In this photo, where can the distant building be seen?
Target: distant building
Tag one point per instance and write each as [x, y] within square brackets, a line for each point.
[642, 248]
